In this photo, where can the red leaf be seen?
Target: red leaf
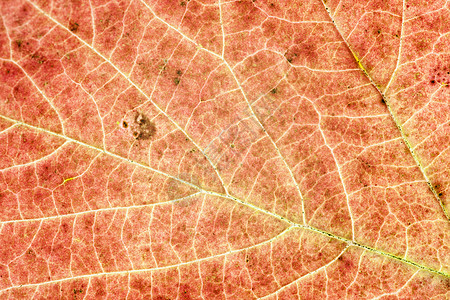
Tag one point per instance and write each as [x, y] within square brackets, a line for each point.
[224, 150]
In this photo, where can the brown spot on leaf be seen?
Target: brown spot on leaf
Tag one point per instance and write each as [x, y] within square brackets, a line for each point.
[65, 228]
[346, 263]
[290, 55]
[73, 26]
[441, 73]
[88, 222]
[143, 128]
[439, 189]
[124, 124]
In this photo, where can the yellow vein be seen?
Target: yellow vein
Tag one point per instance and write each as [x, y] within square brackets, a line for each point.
[399, 126]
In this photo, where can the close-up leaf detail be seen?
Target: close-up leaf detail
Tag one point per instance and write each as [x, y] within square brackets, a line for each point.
[222, 149]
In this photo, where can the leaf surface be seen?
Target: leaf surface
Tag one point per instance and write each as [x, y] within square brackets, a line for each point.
[224, 149]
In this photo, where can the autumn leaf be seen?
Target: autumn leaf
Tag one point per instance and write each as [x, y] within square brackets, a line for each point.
[205, 149]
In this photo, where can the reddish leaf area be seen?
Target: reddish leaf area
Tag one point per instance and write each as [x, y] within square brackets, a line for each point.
[206, 149]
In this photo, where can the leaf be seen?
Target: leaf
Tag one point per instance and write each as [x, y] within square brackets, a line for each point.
[238, 150]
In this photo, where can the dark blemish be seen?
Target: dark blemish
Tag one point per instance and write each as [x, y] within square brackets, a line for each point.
[441, 76]
[290, 56]
[140, 119]
[143, 128]
[439, 189]
[340, 258]
[232, 145]
[379, 31]
[19, 43]
[24, 9]
[179, 72]
[382, 101]
[182, 3]
[40, 59]
[274, 91]
[124, 124]
[88, 223]
[64, 228]
[73, 26]
[351, 105]
[176, 81]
